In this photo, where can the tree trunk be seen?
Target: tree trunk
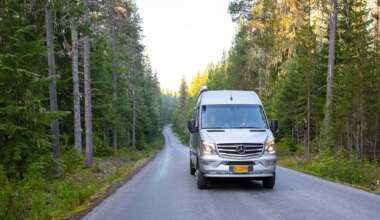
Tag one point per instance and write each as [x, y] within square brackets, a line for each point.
[361, 140]
[357, 143]
[128, 138]
[375, 71]
[134, 120]
[52, 87]
[260, 71]
[309, 78]
[308, 116]
[76, 93]
[87, 90]
[134, 102]
[114, 78]
[331, 63]
[349, 142]
[375, 145]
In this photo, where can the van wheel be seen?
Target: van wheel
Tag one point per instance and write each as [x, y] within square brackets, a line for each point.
[192, 169]
[268, 182]
[201, 180]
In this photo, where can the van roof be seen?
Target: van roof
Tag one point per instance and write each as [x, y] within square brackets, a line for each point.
[229, 97]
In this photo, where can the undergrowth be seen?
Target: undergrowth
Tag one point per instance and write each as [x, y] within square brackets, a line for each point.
[333, 164]
[39, 195]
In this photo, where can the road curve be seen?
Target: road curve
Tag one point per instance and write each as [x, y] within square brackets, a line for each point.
[164, 189]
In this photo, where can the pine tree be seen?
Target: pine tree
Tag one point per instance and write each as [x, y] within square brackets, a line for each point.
[331, 64]
[52, 86]
[75, 73]
[114, 78]
[351, 77]
[24, 115]
[87, 89]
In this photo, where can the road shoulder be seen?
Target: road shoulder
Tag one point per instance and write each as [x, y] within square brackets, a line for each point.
[111, 188]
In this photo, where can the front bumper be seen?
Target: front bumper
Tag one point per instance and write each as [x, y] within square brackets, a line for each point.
[218, 167]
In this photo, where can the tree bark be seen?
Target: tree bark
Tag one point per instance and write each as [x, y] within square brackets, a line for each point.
[375, 145]
[349, 142]
[260, 72]
[134, 120]
[76, 93]
[87, 89]
[331, 63]
[52, 87]
[114, 77]
[134, 103]
[357, 142]
[309, 79]
[308, 116]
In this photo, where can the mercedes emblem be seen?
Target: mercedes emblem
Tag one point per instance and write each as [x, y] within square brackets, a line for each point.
[240, 149]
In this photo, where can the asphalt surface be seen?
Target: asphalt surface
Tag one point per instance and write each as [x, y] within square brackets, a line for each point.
[164, 189]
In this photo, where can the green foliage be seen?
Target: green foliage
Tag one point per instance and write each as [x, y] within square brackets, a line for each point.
[286, 147]
[169, 103]
[71, 160]
[181, 115]
[283, 57]
[338, 165]
[28, 189]
[24, 116]
[354, 75]
[38, 196]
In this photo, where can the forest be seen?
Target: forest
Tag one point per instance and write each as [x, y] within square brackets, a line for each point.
[76, 89]
[81, 107]
[315, 66]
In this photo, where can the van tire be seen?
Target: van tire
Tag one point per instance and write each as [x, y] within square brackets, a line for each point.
[269, 182]
[192, 168]
[201, 180]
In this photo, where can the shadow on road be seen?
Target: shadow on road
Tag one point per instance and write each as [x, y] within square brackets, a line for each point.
[235, 185]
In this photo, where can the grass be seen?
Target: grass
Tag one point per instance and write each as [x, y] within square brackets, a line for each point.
[338, 166]
[78, 188]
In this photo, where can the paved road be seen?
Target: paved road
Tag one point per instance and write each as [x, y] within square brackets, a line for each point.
[164, 189]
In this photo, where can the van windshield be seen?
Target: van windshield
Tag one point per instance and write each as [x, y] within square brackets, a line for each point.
[233, 117]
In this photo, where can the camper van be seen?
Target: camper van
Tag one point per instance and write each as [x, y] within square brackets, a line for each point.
[230, 137]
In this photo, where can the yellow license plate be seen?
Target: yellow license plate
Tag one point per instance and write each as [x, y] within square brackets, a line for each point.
[241, 169]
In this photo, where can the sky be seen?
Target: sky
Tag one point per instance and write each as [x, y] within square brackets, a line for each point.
[183, 36]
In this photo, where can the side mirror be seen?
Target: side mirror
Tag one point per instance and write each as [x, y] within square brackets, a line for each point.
[274, 125]
[191, 126]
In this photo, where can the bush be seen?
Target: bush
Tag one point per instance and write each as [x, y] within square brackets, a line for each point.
[41, 195]
[286, 147]
[101, 149]
[71, 160]
[342, 166]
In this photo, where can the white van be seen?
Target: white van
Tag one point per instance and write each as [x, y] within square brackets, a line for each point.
[230, 138]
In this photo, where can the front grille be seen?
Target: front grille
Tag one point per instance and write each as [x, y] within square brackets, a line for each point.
[230, 150]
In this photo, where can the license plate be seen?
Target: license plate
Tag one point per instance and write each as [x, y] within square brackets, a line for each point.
[241, 169]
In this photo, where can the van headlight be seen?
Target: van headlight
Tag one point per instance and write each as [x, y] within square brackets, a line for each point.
[270, 147]
[207, 148]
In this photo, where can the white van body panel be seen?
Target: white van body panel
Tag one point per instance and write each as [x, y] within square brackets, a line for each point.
[220, 164]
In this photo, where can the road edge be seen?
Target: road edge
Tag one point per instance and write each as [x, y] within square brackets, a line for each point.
[92, 203]
[353, 186]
